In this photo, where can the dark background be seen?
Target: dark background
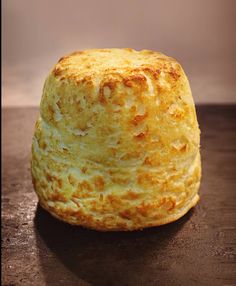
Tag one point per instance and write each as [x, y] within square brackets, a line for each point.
[198, 249]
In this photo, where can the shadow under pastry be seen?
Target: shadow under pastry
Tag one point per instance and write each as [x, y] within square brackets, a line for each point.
[72, 255]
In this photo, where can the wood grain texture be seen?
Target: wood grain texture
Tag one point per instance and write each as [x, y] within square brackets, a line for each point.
[199, 249]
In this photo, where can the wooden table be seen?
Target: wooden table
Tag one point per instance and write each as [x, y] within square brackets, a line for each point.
[199, 249]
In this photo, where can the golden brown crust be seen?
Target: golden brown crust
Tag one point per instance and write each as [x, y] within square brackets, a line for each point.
[116, 146]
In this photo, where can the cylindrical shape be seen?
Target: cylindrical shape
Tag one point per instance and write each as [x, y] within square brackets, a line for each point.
[116, 145]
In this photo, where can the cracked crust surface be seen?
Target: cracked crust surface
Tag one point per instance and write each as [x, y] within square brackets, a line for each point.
[116, 145]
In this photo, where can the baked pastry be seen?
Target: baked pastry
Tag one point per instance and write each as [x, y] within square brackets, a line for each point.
[116, 145]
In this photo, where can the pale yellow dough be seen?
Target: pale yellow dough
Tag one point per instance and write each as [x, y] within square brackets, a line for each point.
[116, 145]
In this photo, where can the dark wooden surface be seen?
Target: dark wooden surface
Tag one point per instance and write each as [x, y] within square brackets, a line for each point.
[199, 249]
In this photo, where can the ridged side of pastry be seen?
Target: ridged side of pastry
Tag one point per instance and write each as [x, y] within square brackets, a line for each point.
[116, 145]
